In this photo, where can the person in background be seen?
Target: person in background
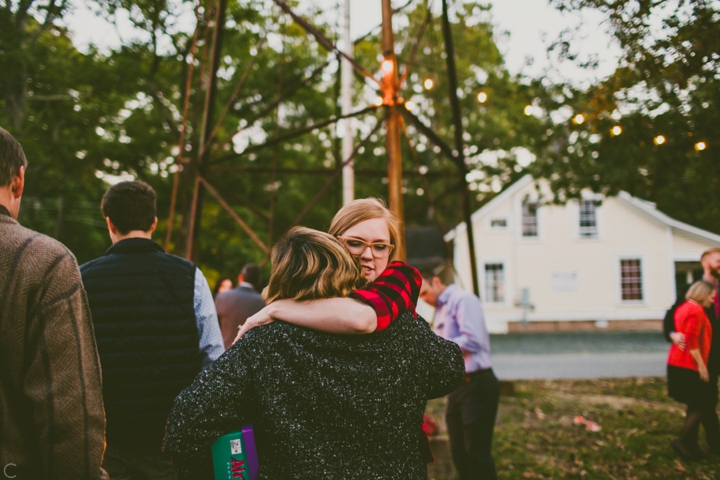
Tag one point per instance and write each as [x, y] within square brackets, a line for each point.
[156, 329]
[52, 423]
[222, 285]
[237, 304]
[688, 377]
[322, 406]
[710, 261]
[472, 407]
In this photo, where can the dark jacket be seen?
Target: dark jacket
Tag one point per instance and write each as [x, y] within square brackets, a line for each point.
[233, 308]
[51, 411]
[669, 327]
[323, 406]
[142, 303]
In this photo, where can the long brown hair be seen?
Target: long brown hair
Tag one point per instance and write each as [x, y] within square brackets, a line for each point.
[308, 264]
[365, 209]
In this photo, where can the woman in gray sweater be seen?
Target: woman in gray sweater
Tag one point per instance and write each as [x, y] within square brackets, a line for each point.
[323, 406]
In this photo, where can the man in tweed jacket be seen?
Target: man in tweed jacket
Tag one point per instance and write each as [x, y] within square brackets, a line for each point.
[52, 423]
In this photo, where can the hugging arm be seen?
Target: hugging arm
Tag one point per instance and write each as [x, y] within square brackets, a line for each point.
[442, 362]
[216, 403]
[372, 308]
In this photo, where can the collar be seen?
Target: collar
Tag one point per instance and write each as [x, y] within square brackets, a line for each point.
[247, 285]
[445, 295]
[712, 280]
[4, 211]
[134, 245]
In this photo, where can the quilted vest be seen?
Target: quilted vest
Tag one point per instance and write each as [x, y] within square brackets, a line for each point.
[142, 304]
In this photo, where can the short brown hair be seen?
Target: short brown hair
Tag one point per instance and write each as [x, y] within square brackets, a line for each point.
[12, 157]
[365, 209]
[699, 291]
[130, 206]
[708, 252]
[308, 264]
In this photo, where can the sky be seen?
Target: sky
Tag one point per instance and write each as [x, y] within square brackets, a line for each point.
[524, 30]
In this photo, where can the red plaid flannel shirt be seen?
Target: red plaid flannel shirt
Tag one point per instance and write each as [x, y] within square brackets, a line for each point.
[392, 293]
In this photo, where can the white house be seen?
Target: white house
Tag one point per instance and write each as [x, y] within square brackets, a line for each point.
[611, 262]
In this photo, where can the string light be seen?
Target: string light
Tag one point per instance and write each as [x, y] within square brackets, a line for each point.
[387, 66]
[659, 140]
[428, 84]
[579, 118]
[616, 130]
[482, 97]
[700, 146]
[378, 101]
[528, 110]
[409, 105]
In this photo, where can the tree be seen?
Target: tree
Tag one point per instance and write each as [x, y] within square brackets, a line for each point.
[651, 127]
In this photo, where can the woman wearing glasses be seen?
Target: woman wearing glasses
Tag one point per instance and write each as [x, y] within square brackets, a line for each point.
[369, 232]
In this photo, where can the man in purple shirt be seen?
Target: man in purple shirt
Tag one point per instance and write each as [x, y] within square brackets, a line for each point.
[473, 406]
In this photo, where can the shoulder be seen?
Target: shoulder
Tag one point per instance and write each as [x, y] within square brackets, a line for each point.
[34, 252]
[457, 295]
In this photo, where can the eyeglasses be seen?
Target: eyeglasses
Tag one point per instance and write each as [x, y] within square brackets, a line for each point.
[358, 247]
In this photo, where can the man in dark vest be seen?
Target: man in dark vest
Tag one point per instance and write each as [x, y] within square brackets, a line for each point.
[156, 329]
[710, 261]
[236, 305]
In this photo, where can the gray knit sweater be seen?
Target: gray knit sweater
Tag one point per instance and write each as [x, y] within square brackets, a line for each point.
[52, 424]
[323, 406]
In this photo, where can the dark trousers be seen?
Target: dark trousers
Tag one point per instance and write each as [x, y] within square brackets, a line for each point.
[127, 461]
[470, 417]
[710, 421]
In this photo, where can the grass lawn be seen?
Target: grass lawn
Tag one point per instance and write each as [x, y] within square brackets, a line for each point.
[535, 436]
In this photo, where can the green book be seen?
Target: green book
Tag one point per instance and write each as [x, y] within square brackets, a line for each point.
[234, 456]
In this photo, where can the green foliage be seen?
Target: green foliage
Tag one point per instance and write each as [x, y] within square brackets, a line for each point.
[89, 117]
[494, 130]
[667, 85]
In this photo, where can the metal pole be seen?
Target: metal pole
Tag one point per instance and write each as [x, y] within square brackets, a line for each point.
[347, 74]
[459, 144]
[207, 127]
[390, 88]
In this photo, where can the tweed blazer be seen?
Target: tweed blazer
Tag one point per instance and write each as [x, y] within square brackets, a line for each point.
[52, 423]
[323, 406]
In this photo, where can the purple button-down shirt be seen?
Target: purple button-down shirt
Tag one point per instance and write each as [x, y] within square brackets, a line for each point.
[459, 318]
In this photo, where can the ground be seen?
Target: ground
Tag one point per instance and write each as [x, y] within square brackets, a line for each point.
[536, 438]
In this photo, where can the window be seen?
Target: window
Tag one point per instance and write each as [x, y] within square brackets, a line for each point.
[494, 283]
[588, 218]
[529, 219]
[498, 223]
[631, 279]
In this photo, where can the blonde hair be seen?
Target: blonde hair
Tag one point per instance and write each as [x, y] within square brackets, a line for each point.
[308, 264]
[365, 209]
[699, 291]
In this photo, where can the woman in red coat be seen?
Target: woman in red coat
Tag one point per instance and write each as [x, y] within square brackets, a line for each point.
[687, 368]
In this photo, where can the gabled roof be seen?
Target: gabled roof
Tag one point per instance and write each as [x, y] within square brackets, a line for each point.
[500, 198]
[642, 206]
[651, 210]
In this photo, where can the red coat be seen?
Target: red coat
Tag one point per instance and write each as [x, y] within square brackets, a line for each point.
[690, 319]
